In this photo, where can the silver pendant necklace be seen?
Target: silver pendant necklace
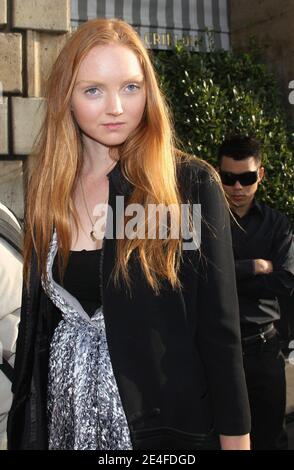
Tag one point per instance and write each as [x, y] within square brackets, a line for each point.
[93, 234]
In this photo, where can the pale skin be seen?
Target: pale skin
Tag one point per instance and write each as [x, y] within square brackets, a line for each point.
[110, 89]
[241, 197]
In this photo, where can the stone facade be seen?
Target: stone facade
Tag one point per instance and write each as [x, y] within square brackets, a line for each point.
[11, 62]
[3, 126]
[3, 12]
[271, 23]
[27, 117]
[41, 15]
[42, 50]
[32, 33]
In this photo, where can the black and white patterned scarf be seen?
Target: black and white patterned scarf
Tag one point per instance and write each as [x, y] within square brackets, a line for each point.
[84, 407]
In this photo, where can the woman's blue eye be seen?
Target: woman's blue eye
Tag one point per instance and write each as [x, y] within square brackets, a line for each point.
[132, 87]
[90, 91]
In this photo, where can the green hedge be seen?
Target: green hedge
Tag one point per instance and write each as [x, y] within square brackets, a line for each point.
[217, 94]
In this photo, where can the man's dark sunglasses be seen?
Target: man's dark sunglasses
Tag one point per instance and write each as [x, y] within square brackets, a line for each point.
[245, 179]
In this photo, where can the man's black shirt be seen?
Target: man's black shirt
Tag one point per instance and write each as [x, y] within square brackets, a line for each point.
[265, 234]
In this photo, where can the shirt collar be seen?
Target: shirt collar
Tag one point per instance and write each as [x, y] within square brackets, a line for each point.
[255, 207]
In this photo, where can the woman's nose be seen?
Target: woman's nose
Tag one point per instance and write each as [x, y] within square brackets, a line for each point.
[114, 105]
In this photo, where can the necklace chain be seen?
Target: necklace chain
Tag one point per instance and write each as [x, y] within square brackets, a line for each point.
[92, 233]
[85, 203]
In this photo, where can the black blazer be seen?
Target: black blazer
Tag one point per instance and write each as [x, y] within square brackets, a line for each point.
[176, 357]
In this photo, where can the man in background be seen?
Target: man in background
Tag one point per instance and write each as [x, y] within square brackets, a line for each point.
[264, 259]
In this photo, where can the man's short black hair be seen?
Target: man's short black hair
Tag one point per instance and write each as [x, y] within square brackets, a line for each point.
[240, 147]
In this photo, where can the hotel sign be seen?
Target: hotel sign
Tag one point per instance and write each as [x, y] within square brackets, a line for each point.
[163, 23]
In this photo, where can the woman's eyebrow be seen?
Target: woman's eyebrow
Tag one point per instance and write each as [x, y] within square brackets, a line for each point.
[92, 82]
[136, 78]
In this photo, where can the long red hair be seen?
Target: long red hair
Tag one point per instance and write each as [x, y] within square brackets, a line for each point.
[147, 157]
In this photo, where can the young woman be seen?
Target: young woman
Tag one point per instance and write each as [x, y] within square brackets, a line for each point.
[127, 341]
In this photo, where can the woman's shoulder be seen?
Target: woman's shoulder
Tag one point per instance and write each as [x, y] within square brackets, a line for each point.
[192, 170]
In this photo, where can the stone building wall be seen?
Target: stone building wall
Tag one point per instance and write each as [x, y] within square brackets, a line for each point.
[32, 32]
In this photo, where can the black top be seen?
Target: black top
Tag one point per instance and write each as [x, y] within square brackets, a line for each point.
[267, 235]
[82, 278]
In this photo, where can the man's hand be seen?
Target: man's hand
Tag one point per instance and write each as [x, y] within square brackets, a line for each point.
[262, 266]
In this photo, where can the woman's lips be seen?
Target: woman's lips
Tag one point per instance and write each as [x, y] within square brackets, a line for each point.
[112, 126]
